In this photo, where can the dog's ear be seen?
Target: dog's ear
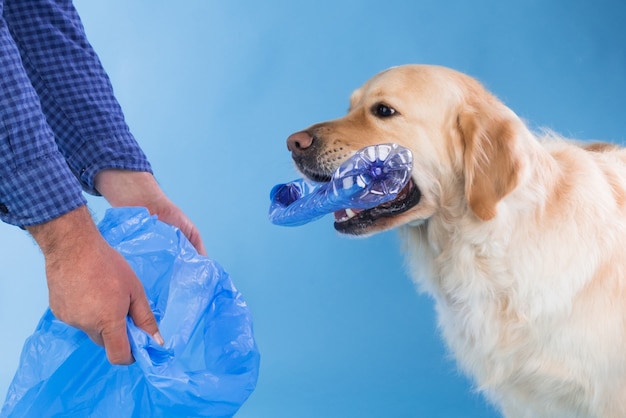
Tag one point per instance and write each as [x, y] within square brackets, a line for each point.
[492, 158]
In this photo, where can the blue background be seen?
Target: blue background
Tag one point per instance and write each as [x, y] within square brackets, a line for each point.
[212, 89]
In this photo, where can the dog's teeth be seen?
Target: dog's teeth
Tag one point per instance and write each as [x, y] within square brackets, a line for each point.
[345, 214]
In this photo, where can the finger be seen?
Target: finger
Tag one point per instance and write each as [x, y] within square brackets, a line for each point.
[196, 241]
[115, 339]
[189, 230]
[178, 219]
[143, 317]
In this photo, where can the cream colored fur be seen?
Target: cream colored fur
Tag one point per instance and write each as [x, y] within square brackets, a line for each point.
[520, 238]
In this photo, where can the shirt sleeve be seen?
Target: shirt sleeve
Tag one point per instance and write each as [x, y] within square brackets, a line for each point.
[75, 92]
[36, 184]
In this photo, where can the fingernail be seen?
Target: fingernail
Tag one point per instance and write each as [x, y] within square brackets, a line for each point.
[158, 338]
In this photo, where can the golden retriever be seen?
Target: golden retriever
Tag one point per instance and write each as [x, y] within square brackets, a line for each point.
[520, 238]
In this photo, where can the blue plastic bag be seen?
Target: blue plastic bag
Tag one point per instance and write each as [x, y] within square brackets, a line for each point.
[207, 368]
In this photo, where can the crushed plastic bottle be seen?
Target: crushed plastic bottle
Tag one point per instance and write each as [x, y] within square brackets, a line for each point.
[372, 176]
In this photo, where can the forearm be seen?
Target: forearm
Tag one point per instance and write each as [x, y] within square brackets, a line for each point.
[75, 92]
[35, 182]
[62, 237]
[129, 188]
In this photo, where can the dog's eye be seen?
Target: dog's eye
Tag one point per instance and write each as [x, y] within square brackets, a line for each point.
[383, 111]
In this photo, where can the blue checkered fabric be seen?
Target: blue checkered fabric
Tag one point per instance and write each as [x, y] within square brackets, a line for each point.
[60, 123]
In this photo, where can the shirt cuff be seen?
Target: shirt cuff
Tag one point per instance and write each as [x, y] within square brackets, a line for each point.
[115, 151]
[39, 192]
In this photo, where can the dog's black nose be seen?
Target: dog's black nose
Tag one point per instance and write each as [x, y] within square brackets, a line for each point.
[299, 142]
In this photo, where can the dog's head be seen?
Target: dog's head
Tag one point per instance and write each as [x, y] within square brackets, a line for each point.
[465, 144]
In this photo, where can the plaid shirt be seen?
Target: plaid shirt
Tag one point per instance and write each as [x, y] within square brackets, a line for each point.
[59, 121]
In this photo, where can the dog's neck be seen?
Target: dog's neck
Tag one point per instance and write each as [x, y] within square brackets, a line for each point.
[455, 242]
[464, 262]
[474, 269]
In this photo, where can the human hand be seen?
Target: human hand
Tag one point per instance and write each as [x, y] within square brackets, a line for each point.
[91, 286]
[137, 188]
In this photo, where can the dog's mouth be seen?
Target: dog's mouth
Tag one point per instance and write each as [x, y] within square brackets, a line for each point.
[359, 221]
[362, 221]
[311, 174]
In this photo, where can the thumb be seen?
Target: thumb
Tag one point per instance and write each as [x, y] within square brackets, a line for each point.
[141, 314]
